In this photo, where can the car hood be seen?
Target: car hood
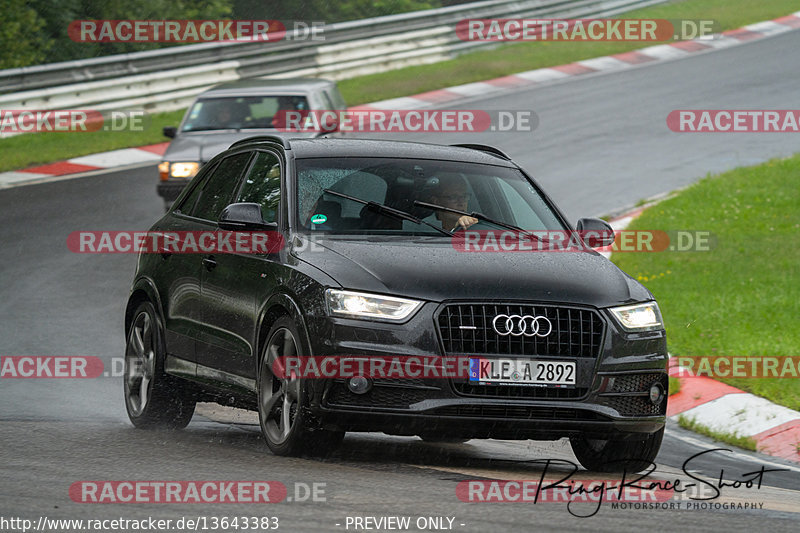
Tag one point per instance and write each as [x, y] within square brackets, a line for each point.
[202, 146]
[434, 270]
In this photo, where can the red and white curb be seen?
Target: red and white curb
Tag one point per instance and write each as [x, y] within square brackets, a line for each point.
[79, 165]
[538, 77]
[726, 409]
[720, 407]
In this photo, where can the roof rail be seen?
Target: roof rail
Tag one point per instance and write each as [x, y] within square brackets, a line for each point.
[485, 148]
[263, 138]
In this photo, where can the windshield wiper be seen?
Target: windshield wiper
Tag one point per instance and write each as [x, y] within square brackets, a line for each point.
[388, 211]
[479, 216]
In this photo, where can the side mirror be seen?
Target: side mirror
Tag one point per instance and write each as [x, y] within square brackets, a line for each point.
[244, 216]
[596, 233]
[169, 131]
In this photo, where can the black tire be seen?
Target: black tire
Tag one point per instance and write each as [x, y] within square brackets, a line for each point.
[617, 455]
[293, 434]
[437, 438]
[153, 399]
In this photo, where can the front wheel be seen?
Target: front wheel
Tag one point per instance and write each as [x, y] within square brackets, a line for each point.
[282, 403]
[153, 399]
[600, 455]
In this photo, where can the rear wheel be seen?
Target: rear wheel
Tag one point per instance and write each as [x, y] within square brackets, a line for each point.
[152, 398]
[600, 455]
[282, 403]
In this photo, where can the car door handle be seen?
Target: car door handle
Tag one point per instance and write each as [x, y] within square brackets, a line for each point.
[209, 263]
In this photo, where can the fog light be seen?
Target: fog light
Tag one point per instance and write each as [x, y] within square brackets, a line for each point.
[359, 385]
[656, 393]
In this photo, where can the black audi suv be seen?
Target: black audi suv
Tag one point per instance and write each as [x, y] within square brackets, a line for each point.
[384, 249]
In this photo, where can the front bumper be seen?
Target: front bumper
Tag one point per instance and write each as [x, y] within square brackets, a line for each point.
[609, 400]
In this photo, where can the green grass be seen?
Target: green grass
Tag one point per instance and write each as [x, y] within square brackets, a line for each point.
[674, 386]
[28, 150]
[742, 298]
[746, 443]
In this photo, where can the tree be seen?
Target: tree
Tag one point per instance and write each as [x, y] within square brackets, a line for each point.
[21, 40]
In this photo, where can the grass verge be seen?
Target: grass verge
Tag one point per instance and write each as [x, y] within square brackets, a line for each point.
[741, 298]
[674, 386]
[746, 443]
[28, 150]
[23, 151]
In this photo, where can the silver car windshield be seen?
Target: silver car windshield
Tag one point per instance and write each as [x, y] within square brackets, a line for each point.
[237, 113]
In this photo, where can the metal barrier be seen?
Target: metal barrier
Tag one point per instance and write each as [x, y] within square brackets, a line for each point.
[169, 78]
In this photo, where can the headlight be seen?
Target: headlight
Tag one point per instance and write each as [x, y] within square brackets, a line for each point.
[184, 170]
[363, 305]
[639, 317]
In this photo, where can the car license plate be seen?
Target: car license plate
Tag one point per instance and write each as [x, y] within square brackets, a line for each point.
[521, 372]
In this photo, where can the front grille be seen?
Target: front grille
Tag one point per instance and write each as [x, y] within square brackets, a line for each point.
[400, 382]
[635, 405]
[511, 391]
[395, 397]
[517, 412]
[633, 382]
[576, 332]
[628, 394]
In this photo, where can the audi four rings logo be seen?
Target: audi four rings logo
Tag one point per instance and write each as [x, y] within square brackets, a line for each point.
[517, 325]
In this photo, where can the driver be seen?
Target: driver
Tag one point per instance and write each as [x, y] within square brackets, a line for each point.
[451, 192]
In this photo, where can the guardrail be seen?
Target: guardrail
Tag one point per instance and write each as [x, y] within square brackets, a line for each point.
[169, 78]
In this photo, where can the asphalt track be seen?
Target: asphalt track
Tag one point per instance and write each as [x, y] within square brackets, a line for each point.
[602, 144]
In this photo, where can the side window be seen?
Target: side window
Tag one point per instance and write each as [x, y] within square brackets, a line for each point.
[218, 188]
[263, 185]
[197, 184]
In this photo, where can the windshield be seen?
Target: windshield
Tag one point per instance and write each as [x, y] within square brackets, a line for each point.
[501, 193]
[244, 112]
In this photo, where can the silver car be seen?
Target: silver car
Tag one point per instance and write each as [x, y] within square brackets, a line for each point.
[233, 111]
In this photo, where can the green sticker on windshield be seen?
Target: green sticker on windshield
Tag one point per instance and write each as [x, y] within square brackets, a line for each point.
[319, 219]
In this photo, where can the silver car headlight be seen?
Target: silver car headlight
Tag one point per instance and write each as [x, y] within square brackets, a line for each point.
[353, 304]
[184, 169]
[638, 317]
